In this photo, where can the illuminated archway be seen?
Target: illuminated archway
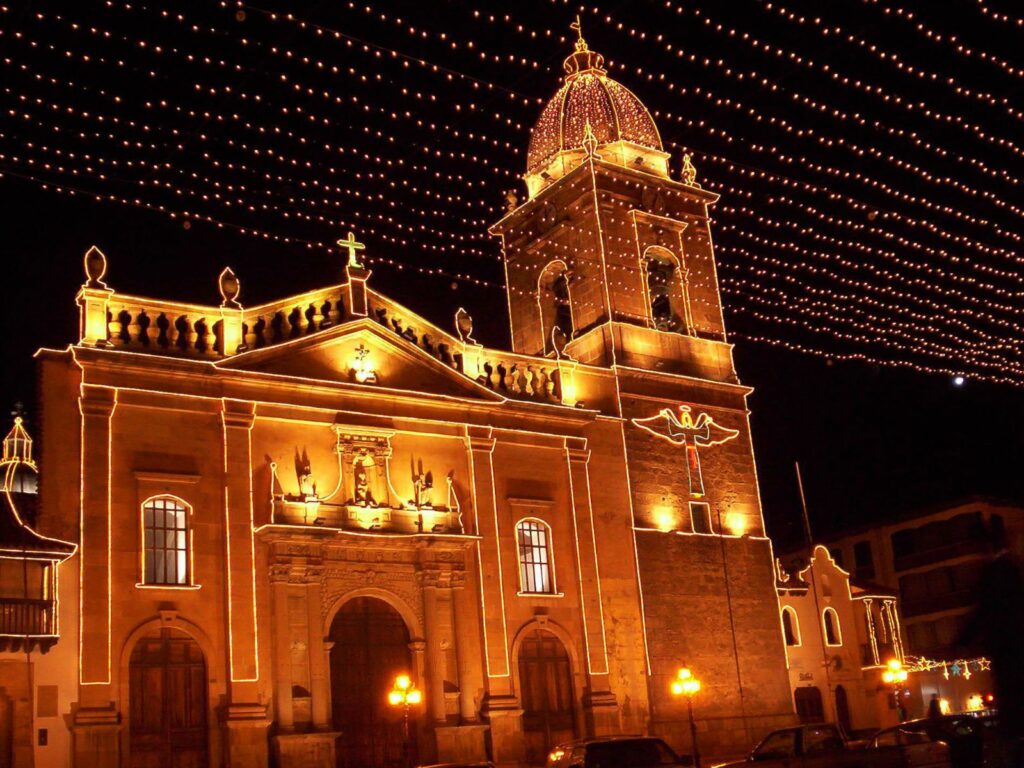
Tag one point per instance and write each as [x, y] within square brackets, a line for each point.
[371, 646]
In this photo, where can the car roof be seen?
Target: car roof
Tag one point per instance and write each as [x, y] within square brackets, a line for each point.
[605, 739]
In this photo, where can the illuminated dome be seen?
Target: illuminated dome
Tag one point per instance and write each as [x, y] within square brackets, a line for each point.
[616, 116]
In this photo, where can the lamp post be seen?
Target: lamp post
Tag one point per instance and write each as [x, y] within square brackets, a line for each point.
[404, 694]
[687, 685]
[896, 677]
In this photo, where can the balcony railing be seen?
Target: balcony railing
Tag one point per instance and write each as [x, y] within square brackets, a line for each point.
[947, 601]
[21, 617]
[937, 554]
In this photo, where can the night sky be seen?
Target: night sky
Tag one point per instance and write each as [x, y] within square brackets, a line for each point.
[865, 257]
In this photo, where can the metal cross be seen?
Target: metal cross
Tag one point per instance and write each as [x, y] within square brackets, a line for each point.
[353, 246]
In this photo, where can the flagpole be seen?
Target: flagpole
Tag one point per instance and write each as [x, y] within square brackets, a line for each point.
[826, 664]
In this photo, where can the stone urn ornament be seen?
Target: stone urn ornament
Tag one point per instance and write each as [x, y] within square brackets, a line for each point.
[230, 287]
[95, 268]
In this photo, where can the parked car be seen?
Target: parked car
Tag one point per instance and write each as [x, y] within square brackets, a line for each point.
[970, 739]
[910, 748]
[813, 746]
[616, 752]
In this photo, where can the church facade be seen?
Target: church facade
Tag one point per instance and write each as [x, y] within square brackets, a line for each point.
[272, 512]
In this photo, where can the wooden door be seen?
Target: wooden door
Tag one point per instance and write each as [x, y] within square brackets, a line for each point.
[6, 731]
[167, 700]
[545, 682]
[843, 711]
[809, 706]
[371, 648]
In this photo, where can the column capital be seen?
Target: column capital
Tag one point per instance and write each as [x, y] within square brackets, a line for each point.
[576, 450]
[480, 439]
[440, 578]
[238, 413]
[96, 400]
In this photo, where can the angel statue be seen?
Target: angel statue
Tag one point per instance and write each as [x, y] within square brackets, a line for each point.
[689, 434]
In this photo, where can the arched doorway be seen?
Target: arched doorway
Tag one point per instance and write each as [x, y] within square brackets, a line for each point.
[843, 710]
[167, 701]
[809, 706]
[545, 687]
[371, 647]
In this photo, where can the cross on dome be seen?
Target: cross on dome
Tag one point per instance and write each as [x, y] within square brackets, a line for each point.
[616, 117]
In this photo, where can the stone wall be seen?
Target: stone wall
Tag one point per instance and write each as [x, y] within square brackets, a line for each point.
[710, 604]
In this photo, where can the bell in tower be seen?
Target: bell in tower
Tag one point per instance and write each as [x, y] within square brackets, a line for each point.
[609, 250]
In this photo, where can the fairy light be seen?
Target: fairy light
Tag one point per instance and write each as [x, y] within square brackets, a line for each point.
[906, 278]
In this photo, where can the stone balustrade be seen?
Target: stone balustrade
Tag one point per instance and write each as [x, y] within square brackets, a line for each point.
[513, 376]
[293, 317]
[163, 327]
[203, 331]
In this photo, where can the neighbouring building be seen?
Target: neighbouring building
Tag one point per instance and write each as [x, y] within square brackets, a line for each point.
[279, 508]
[839, 634]
[934, 558]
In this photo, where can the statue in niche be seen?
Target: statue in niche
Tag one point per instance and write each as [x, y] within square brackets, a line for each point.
[422, 484]
[304, 474]
[362, 494]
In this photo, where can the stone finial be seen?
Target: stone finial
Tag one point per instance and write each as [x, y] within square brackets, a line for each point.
[95, 267]
[689, 171]
[590, 141]
[464, 326]
[230, 287]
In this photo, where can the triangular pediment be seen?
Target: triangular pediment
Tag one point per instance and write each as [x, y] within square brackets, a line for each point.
[362, 353]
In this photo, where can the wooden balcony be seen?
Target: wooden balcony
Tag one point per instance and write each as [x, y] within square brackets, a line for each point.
[27, 624]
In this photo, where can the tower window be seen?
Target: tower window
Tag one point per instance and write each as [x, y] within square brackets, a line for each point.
[830, 620]
[700, 517]
[554, 300]
[534, 540]
[165, 541]
[790, 626]
[664, 289]
[563, 310]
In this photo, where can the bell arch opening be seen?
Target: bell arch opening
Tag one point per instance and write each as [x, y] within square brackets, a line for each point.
[554, 303]
[665, 281]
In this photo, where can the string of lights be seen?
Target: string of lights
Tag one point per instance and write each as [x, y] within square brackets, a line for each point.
[294, 138]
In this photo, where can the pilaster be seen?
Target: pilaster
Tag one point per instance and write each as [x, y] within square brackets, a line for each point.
[284, 712]
[245, 717]
[599, 705]
[439, 620]
[496, 654]
[96, 405]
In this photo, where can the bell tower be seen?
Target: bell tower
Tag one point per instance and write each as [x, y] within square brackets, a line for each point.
[609, 254]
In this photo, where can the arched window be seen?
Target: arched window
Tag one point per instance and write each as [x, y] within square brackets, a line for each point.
[664, 289]
[534, 543]
[790, 626]
[833, 633]
[555, 303]
[165, 542]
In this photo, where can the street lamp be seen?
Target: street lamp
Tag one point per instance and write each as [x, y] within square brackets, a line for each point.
[896, 676]
[687, 685]
[404, 694]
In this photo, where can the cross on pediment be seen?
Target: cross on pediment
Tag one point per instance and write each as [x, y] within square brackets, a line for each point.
[352, 245]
